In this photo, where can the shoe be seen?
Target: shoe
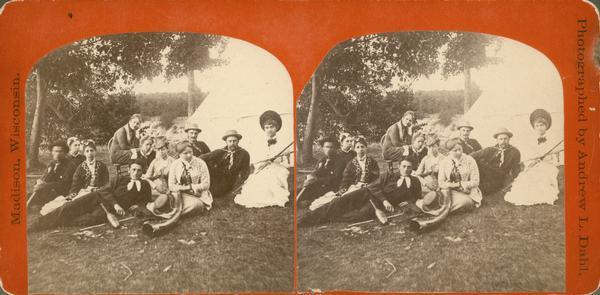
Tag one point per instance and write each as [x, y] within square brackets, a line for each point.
[381, 216]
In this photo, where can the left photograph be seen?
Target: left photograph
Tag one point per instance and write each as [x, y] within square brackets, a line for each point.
[159, 162]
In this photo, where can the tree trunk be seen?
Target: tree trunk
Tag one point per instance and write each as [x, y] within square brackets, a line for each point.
[311, 123]
[467, 90]
[191, 93]
[36, 126]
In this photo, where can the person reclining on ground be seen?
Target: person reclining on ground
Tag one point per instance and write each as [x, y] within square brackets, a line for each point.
[369, 201]
[122, 194]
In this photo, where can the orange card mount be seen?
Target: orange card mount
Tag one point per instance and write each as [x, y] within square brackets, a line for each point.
[300, 34]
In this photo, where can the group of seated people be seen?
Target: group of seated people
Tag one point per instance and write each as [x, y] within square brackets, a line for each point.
[76, 188]
[346, 184]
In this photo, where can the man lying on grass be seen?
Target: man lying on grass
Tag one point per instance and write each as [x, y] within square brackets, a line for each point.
[369, 201]
[127, 193]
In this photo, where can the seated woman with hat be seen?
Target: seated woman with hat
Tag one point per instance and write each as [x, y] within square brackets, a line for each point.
[268, 184]
[538, 183]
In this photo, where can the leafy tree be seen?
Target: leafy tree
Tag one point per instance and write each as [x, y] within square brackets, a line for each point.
[72, 85]
[353, 84]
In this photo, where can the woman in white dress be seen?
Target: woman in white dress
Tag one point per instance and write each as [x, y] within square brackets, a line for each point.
[268, 184]
[538, 183]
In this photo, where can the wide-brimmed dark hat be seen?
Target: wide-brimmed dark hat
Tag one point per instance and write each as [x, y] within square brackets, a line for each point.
[540, 114]
[323, 140]
[502, 131]
[270, 115]
[232, 133]
[192, 126]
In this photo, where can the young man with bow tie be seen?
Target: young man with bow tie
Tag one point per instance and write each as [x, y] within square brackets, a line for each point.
[498, 164]
[229, 166]
[370, 201]
[127, 193]
[57, 178]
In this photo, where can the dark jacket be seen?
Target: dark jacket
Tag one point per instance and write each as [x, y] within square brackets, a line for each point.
[145, 160]
[386, 188]
[122, 142]
[493, 174]
[394, 139]
[199, 148]
[224, 178]
[76, 160]
[82, 177]
[469, 146]
[353, 172]
[58, 177]
[116, 193]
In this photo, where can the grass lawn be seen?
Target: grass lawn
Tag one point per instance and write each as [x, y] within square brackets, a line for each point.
[234, 249]
[497, 247]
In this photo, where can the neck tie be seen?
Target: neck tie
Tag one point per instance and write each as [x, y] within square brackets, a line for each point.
[403, 179]
[541, 139]
[271, 141]
[466, 142]
[137, 183]
[230, 156]
[501, 154]
[56, 166]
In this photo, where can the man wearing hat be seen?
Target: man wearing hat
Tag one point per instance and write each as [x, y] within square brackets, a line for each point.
[498, 164]
[397, 137]
[57, 178]
[327, 174]
[124, 143]
[198, 147]
[468, 144]
[229, 166]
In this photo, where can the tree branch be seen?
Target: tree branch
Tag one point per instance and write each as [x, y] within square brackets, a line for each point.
[60, 115]
[335, 108]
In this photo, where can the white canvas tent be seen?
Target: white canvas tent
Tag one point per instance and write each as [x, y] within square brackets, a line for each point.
[252, 82]
[523, 81]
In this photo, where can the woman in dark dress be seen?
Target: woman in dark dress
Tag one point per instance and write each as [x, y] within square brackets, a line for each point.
[347, 152]
[74, 155]
[91, 174]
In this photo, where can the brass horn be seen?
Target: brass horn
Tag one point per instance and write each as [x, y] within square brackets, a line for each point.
[421, 223]
[160, 227]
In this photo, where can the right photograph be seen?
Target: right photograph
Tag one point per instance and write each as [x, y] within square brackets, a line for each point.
[431, 161]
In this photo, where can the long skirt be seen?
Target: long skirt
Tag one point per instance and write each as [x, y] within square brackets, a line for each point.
[537, 185]
[268, 187]
[353, 206]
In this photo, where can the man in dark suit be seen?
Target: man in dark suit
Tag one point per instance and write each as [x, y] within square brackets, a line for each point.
[397, 137]
[124, 143]
[57, 178]
[145, 154]
[468, 144]
[498, 164]
[327, 175]
[368, 202]
[229, 166]
[198, 147]
[127, 193]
